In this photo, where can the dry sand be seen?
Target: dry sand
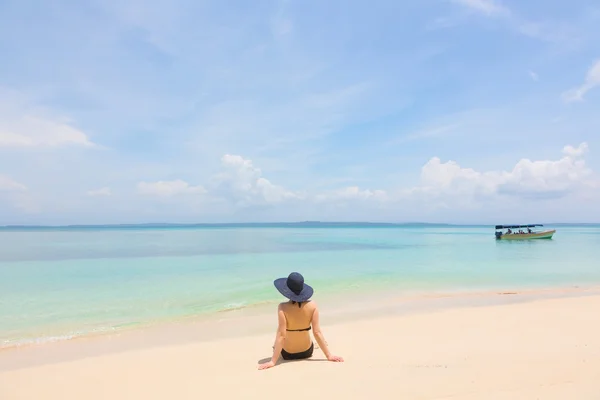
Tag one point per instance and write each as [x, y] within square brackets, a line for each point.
[546, 349]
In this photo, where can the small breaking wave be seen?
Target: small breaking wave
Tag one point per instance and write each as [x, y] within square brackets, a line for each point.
[7, 344]
[238, 306]
[46, 338]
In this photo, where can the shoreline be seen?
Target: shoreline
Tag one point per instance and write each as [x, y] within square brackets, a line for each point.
[372, 298]
[545, 348]
[258, 320]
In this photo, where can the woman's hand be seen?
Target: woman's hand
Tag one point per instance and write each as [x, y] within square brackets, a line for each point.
[335, 358]
[266, 365]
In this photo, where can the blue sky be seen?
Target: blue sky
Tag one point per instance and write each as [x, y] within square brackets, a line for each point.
[191, 111]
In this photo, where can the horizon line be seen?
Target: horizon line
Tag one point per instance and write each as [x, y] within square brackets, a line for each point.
[279, 223]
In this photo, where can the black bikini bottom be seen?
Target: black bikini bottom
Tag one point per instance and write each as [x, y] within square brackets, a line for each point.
[298, 356]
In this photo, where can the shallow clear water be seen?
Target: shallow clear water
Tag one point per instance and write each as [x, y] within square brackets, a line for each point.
[60, 283]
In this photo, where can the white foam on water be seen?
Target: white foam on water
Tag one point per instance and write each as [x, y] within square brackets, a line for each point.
[24, 342]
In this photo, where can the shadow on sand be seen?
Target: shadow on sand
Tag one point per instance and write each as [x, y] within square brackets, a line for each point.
[283, 362]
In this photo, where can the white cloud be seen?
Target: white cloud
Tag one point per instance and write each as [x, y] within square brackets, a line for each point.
[488, 7]
[240, 184]
[443, 184]
[23, 125]
[592, 80]
[168, 188]
[528, 179]
[243, 182]
[102, 192]
[8, 185]
[573, 152]
[548, 178]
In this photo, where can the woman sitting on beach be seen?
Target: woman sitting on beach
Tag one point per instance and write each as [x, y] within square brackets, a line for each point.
[296, 316]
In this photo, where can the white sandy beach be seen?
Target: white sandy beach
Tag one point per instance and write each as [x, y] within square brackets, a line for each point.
[546, 349]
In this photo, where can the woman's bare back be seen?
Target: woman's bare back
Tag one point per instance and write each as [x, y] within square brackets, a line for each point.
[297, 320]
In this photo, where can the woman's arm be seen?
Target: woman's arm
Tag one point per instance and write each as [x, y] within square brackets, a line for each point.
[279, 336]
[279, 339]
[316, 326]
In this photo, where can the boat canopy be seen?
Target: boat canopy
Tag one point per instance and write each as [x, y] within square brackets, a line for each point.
[517, 226]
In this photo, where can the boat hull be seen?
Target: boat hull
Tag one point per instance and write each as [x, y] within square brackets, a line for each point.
[526, 236]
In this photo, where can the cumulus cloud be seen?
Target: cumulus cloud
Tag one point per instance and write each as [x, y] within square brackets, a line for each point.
[168, 188]
[442, 184]
[548, 178]
[244, 183]
[528, 179]
[102, 192]
[23, 125]
[592, 80]
[573, 152]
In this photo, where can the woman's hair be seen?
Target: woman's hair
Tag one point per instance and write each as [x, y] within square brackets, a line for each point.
[299, 303]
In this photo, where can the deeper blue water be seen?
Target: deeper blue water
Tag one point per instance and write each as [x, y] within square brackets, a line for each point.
[60, 283]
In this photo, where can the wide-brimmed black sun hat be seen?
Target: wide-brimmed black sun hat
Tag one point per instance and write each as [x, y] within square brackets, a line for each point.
[294, 288]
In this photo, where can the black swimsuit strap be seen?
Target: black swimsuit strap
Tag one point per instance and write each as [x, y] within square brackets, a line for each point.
[298, 330]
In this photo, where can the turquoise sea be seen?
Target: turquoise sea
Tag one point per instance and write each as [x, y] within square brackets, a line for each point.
[59, 283]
